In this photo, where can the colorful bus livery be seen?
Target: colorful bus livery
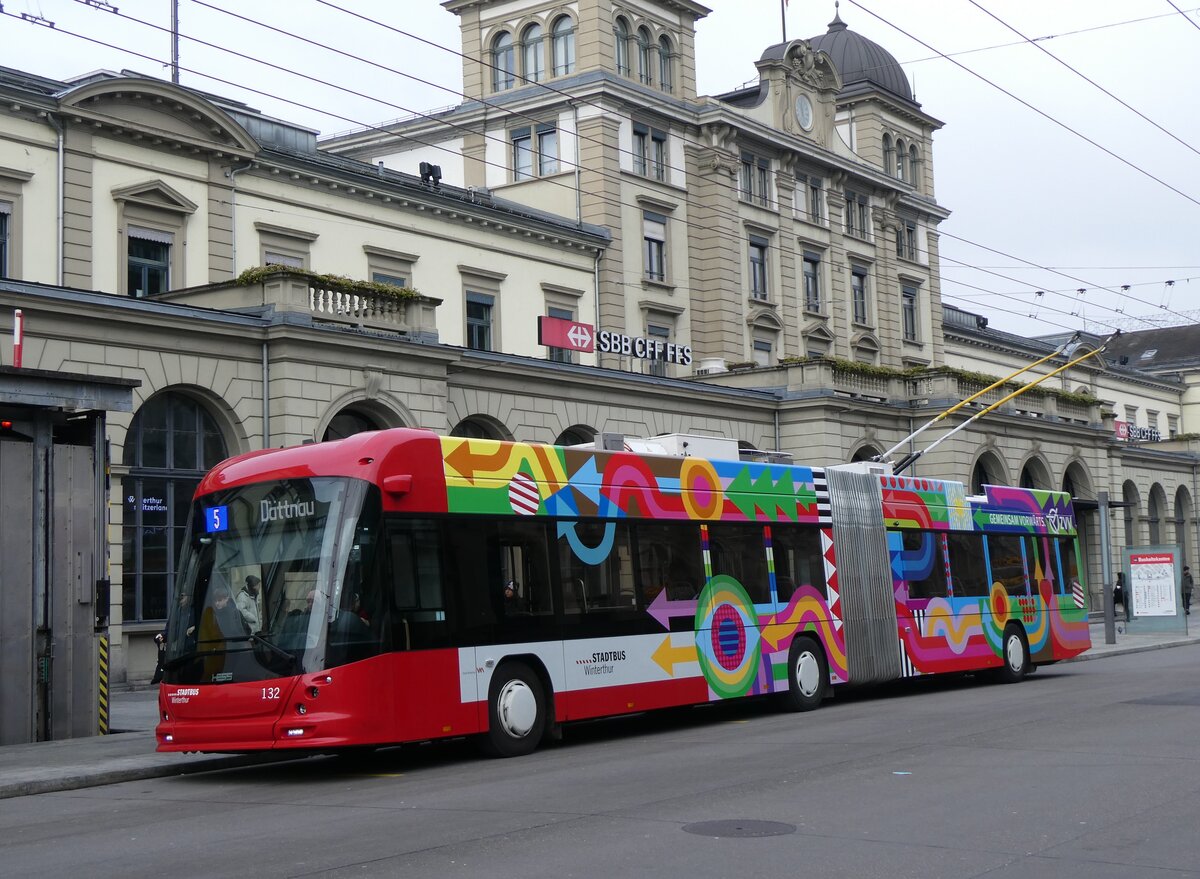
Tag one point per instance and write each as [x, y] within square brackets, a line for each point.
[415, 587]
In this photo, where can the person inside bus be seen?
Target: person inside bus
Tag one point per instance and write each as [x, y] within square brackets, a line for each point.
[219, 623]
[247, 603]
[511, 597]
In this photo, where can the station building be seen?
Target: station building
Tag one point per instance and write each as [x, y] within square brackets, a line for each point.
[761, 265]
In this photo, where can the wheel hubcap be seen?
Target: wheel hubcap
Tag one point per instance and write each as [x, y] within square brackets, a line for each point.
[808, 674]
[1016, 653]
[516, 708]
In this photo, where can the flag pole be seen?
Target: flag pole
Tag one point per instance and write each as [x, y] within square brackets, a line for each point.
[783, 17]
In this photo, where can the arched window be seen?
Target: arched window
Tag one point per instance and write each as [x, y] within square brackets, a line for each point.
[479, 427]
[576, 435]
[666, 60]
[563, 37]
[172, 442]
[533, 59]
[621, 39]
[901, 159]
[889, 153]
[503, 62]
[645, 62]
[913, 164]
[347, 423]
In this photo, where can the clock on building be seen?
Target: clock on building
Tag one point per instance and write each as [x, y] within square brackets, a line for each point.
[804, 112]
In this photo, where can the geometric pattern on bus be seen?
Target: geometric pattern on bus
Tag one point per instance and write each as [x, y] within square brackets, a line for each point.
[727, 637]
[490, 476]
[498, 478]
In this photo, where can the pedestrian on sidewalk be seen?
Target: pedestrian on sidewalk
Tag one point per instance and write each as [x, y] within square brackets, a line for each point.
[1188, 585]
[1119, 596]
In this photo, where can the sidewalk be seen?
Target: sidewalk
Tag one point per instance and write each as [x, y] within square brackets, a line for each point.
[128, 754]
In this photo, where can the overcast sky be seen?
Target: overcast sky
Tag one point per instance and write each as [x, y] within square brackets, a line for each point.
[1015, 178]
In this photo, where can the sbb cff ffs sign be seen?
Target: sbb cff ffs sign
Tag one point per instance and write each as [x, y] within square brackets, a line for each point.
[644, 349]
[558, 333]
[555, 332]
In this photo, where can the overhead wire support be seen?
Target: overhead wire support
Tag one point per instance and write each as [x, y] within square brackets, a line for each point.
[1029, 106]
[912, 457]
[1083, 76]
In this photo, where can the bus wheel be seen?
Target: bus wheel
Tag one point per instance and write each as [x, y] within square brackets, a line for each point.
[1014, 656]
[516, 711]
[808, 675]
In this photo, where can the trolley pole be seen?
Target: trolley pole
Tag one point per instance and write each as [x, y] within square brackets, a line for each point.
[1110, 626]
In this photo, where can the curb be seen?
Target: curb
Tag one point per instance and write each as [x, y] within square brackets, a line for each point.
[1133, 648]
[101, 777]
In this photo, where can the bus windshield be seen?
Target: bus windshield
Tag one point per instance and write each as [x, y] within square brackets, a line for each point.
[275, 580]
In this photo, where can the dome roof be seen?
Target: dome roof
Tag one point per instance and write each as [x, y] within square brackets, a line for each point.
[860, 60]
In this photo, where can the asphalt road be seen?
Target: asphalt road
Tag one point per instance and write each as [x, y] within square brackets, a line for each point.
[1084, 771]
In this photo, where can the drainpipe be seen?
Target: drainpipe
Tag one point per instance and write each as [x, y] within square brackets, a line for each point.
[578, 174]
[232, 175]
[59, 233]
[596, 296]
[266, 396]
[777, 427]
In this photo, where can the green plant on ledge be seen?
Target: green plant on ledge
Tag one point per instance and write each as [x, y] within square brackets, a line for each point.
[869, 369]
[258, 274]
[855, 367]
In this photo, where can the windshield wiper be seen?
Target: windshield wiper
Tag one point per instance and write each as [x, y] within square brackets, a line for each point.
[273, 647]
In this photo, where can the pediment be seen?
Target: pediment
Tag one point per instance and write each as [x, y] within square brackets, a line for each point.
[820, 333]
[155, 110]
[866, 341]
[155, 194]
[764, 319]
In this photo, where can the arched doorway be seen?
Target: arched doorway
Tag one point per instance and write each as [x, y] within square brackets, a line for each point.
[1078, 484]
[865, 453]
[1133, 503]
[1035, 474]
[1156, 514]
[1183, 521]
[988, 470]
[172, 441]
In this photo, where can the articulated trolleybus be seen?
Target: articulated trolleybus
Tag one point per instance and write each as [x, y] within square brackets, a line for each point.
[401, 586]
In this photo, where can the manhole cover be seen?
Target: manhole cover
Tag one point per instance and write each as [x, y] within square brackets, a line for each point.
[740, 828]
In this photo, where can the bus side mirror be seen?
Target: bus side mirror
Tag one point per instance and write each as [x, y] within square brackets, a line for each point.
[398, 484]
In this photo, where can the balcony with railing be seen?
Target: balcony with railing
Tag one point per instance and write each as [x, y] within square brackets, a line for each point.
[322, 299]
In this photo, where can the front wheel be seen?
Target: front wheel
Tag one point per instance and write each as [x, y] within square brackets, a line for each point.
[1014, 657]
[516, 711]
[808, 675]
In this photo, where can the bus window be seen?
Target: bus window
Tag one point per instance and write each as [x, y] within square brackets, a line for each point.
[1007, 563]
[798, 559]
[521, 553]
[922, 563]
[592, 583]
[414, 547]
[670, 559]
[1069, 564]
[739, 552]
[968, 571]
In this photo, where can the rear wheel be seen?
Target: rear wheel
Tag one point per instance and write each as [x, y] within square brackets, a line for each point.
[808, 675]
[516, 711]
[1014, 656]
